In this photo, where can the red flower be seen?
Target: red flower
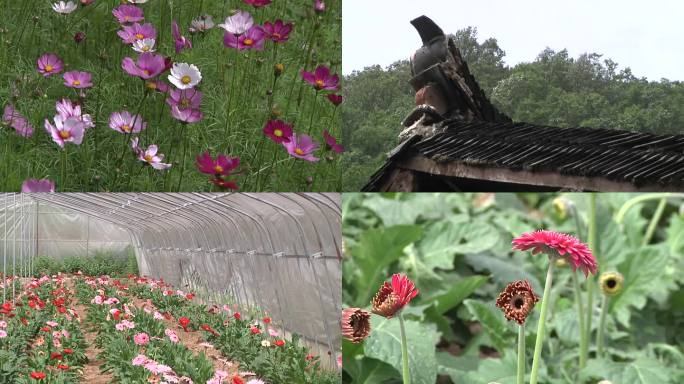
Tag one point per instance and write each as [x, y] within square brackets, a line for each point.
[280, 343]
[37, 375]
[572, 250]
[237, 316]
[63, 367]
[391, 298]
[46, 329]
[207, 328]
[68, 351]
[255, 330]
[190, 296]
[184, 322]
[309, 357]
[267, 320]
[55, 356]
[24, 321]
[237, 380]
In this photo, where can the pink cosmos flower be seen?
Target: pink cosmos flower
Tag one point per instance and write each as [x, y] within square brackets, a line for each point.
[253, 38]
[181, 42]
[239, 23]
[321, 79]
[319, 6]
[65, 130]
[331, 142]
[278, 31]
[77, 79]
[130, 33]
[126, 13]
[184, 99]
[188, 115]
[148, 66]
[572, 250]
[126, 123]
[67, 109]
[222, 166]
[278, 131]
[336, 100]
[302, 147]
[17, 121]
[49, 64]
[150, 155]
[141, 338]
[257, 3]
[157, 85]
[38, 186]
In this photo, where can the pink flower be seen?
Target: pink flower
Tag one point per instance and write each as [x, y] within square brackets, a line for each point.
[67, 109]
[572, 250]
[278, 31]
[222, 166]
[336, 100]
[302, 147]
[65, 130]
[272, 332]
[171, 335]
[150, 155]
[148, 66]
[126, 13]
[188, 115]
[157, 85]
[181, 42]
[319, 6]
[278, 131]
[131, 33]
[141, 338]
[17, 121]
[253, 38]
[391, 298]
[239, 23]
[321, 79]
[139, 360]
[37, 186]
[77, 79]
[331, 142]
[124, 122]
[184, 99]
[3, 334]
[257, 3]
[49, 64]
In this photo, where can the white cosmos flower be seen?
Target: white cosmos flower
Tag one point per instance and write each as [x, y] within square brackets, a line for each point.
[137, 1]
[239, 23]
[185, 76]
[144, 45]
[64, 8]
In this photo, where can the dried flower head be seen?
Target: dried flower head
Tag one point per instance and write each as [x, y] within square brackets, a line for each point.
[611, 283]
[391, 298]
[517, 300]
[572, 250]
[355, 324]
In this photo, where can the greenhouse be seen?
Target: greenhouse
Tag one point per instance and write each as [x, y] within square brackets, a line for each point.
[177, 287]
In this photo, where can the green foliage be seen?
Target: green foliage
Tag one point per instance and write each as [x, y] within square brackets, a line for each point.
[98, 264]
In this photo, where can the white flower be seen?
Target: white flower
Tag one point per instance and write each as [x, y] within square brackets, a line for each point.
[265, 343]
[137, 1]
[203, 23]
[144, 45]
[64, 8]
[239, 23]
[185, 76]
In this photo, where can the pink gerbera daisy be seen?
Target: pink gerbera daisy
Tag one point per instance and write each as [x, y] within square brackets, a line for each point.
[49, 64]
[391, 298]
[572, 250]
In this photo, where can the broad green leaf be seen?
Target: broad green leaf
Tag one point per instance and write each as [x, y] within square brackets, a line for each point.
[566, 324]
[675, 234]
[492, 322]
[502, 371]
[457, 293]
[641, 371]
[503, 269]
[364, 370]
[384, 344]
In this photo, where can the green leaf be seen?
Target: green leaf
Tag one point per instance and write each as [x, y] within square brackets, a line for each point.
[503, 270]
[566, 324]
[492, 322]
[501, 371]
[384, 344]
[457, 293]
[675, 234]
[641, 371]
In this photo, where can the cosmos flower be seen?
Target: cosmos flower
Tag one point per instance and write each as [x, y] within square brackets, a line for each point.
[302, 147]
[517, 301]
[222, 166]
[150, 155]
[321, 79]
[64, 8]
[253, 38]
[187, 115]
[611, 283]
[331, 142]
[17, 121]
[157, 85]
[185, 76]
[126, 13]
[37, 186]
[572, 250]
[184, 98]
[180, 40]
[144, 45]
[278, 131]
[126, 123]
[391, 298]
[148, 65]
[336, 100]
[278, 32]
[130, 33]
[49, 64]
[257, 3]
[356, 325]
[239, 23]
[68, 109]
[77, 79]
[202, 24]
[70, 130]
[319, 6]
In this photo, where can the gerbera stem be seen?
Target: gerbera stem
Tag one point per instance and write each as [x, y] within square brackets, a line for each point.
[602, 325]
[404, 352]
[580, 309]
[542, 321]
[593, 245]
[521, 354]
[654, 221]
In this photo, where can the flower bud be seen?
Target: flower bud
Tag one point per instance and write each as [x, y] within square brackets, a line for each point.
[278, 69]
[355, 324]
[611, 283]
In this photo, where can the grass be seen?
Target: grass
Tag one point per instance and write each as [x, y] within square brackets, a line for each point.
[236, 104]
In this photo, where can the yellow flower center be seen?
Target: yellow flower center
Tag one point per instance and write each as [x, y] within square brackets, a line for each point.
[139, 36]
[218, 169]
[77, 82]
[145, 48]
[148, 158]
[127, 18]
[248, 42]
[126, 128]
[64, 134]
[185, 103]
[49, 68]
[152, 85]
[146, 72]
[319, 83]
[278, 133]
[186, 79]
[299, 151]
[277, 35]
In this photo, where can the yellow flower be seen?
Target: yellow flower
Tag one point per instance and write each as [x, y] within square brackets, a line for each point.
[560, 207]
[611, 283]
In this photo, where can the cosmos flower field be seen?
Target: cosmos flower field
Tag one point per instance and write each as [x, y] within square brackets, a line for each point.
[170, 95]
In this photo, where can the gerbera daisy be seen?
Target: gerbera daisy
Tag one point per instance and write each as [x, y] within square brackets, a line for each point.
[185, 76]
[517, 300]
[49, 64]
[391, 298]
[355, 324]
[611, 283]
[552, 243]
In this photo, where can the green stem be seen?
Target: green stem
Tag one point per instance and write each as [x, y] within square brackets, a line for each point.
[404, 352]
[639, 199]
[521, 354]
[542, 321]
[602, 325]
[654, 222]
[593, 245]
[580, 309]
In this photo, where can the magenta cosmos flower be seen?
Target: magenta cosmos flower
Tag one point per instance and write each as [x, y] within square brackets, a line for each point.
[279, 32]
[321, 79]
[222, 166]
[64, 131]
[68, 109]
[124, 122]
[184, 99]
[239, 23]
[148, 66]
[17, 121]
[127, 13]
[572, 250]
[188, 115]
[181, 42]
[391, 298]
[38, 186]
[130, 33]
[254, 38]
[49, 64]
[302, 147]
[77, 79]
[278, 131]
[336, 100]
[331, 142]
[150, 155]
[257, 3]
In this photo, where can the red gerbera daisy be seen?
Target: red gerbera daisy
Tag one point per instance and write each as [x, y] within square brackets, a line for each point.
[572, 250]
[391, 298]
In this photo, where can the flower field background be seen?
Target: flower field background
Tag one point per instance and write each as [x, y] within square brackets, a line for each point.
[457, 250]
[96, 100]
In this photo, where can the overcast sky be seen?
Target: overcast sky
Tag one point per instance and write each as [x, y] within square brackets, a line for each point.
[647, 36]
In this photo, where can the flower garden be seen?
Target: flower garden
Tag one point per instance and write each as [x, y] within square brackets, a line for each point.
[513, 288]
[169, 95]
